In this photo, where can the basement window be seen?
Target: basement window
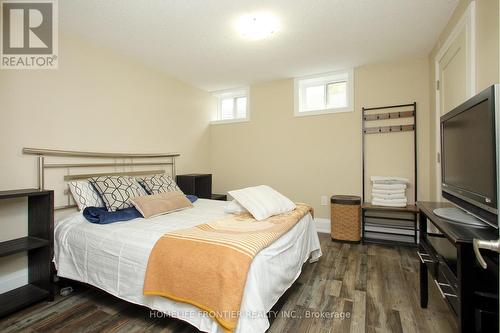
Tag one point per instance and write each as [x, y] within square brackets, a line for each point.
[232, 106]
[324, 93]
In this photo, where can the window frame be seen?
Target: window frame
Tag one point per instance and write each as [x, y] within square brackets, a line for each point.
[302, 83]
[234, 94]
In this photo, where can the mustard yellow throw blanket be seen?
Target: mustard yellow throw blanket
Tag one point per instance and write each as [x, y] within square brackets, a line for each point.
[207, 265]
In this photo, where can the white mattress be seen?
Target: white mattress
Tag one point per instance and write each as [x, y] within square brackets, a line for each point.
[114, 257]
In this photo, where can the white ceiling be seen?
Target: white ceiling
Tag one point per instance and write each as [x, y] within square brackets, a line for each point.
[194, 40]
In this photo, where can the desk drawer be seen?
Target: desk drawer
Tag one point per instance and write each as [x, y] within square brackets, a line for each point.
[429, 258]
[442, 247]
[448, 274]
[448, 289]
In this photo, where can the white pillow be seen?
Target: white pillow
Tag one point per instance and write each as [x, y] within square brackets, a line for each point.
[262, 201]
[233, 207]
[85, 194]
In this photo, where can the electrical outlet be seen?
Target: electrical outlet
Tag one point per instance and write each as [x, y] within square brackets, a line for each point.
[324, 200]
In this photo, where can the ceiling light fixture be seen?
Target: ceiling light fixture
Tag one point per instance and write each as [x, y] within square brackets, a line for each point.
[257, 26]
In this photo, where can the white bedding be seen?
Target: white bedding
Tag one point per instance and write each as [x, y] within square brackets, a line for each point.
[114, 257]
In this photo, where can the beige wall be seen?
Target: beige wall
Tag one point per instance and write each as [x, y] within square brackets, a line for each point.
[95, 101]
[487, 62]
[307, 157]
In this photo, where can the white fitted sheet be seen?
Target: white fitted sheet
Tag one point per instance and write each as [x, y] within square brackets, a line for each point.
[114, 257]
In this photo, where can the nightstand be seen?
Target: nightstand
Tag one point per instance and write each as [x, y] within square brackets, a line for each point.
[221, 197]
[199, 184]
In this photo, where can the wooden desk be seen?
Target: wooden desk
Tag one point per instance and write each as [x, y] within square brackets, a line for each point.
[447, 257]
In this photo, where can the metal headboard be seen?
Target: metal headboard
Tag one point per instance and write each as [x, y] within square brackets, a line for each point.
[136, 160]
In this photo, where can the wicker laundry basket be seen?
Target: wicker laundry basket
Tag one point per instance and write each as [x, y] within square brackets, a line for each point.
[346, 218]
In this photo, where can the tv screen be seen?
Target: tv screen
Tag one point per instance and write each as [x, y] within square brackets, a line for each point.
[469, 152]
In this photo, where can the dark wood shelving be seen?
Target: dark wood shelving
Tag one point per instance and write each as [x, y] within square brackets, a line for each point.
[390, 226]
[447, 259]
[38, 245]
[389, 107]
[391, 229]
[389, 115]
[196, 184]
[199, 184]
[27, 192]
[383, 241]
[21, 297]
[388, 129]
[21, 244]
[221, 197]
[406, 209]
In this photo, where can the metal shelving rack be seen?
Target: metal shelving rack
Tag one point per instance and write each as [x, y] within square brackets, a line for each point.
[400, 223]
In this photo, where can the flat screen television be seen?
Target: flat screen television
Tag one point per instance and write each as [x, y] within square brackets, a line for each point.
[469, 156]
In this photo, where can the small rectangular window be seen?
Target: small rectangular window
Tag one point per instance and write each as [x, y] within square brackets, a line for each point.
[232, 106]
[227, 105]
[326, 93]
[315, 97]
[337, 94]
[241, 107]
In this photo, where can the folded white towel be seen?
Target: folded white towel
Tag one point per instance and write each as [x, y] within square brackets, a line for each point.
[388, 192]
[389, 203]
[388, 196]
[389, 180]
[389, 186]
[391, 200]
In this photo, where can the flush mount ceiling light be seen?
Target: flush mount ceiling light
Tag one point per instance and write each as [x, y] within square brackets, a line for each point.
[257, 26]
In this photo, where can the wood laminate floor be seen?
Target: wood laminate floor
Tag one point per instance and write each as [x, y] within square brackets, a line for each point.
[352, 288]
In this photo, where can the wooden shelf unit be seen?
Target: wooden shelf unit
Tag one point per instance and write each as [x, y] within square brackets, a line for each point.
[404, 229]
[199, 184]
[220, 197]
[39, 247]
[20, 298]
[401, 223]
[17, 245]
[407, 209]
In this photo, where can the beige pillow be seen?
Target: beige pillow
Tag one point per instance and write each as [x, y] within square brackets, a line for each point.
[159, 204]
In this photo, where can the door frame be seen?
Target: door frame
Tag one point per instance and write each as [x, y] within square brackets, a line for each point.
[467, 22]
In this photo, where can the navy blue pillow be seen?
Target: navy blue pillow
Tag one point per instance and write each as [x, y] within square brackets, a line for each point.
[100, 215]
[191, 197]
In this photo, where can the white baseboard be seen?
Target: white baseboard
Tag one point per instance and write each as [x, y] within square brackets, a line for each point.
[13, 280]
[322, 225]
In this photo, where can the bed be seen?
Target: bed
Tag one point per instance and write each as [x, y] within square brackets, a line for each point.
[114, 258]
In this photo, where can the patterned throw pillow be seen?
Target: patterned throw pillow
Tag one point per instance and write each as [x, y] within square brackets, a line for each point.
[159, 184]
[116, 191]
[84, 194]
